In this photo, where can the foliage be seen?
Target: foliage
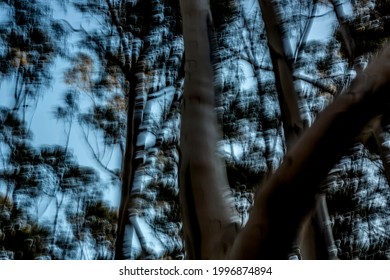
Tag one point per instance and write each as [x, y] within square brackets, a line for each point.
[129, 54]
[45, 180]
[29, 46]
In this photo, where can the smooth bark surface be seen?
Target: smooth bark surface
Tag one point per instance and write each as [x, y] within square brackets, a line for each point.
[209, 216]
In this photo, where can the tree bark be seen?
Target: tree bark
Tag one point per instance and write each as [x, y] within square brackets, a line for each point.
[127, 177]
[210, 220]
[282, 61]
[129, 70]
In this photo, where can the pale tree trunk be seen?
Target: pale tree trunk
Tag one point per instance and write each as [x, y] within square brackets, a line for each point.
[286, 199]
[350, 45]
[209, 216]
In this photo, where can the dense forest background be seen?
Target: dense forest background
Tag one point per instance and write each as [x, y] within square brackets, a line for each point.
[90, 102]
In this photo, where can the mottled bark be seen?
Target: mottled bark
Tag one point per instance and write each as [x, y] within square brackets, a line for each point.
[287, 198]
[209, 216]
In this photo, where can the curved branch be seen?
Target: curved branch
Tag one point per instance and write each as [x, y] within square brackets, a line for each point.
[271, 229]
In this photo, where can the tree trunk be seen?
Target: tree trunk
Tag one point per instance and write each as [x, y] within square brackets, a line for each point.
[127, 178]
[209, 216]
[128, 68]
[281, 57]
[280, 52]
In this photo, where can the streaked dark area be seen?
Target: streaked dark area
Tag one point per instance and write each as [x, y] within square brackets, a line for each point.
[109, 76]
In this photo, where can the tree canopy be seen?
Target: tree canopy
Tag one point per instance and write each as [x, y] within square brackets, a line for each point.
[185, 129]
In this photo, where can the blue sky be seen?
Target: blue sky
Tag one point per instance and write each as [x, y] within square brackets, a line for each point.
[49, 131]
[46, 129]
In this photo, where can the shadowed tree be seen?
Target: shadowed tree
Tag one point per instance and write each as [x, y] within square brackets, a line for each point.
[210, 221]
[139, 50]
[247, 99]
[31, 41]
[42, 186]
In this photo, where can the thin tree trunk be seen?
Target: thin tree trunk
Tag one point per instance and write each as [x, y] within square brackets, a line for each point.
[287, 198]
[128, 166]
[209, 216]
[344, 31]
[128, 170]
[325, 229]
[281, 57]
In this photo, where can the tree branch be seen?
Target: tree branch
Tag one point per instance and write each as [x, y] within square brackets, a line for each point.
[271, 229]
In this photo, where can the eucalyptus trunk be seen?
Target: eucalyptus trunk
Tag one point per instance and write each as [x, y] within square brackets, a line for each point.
[209, 215]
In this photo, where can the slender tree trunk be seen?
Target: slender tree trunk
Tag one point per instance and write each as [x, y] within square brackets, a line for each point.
[127, 174]
[281, 57]
[350, 45]
[128, 166]
[209, 215]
